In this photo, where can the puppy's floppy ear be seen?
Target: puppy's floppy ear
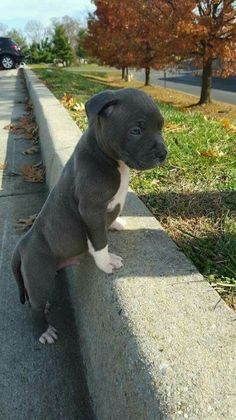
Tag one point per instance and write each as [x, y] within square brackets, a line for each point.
[100, 102]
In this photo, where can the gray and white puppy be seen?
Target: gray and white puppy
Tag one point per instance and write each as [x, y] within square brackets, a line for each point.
[124, 132]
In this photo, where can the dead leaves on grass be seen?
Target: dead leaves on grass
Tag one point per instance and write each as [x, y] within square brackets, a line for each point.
[173, 128]
[79, 107]
[227, 125]
[211, 153]
[69, 102]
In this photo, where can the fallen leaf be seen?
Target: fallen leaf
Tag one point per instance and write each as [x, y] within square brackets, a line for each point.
[15, 128]
[38, 165]
[170, 127]
[7, 127]
[3, 166]
[23, 224]
[33, 173]
[79, 106]
[31, 150]
[28, 136]
[211, 153]
[68, 100]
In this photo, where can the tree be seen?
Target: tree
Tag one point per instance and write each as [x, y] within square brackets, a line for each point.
[42, 52]
[3, 29]
[61, 46]
[159, 33]
[109, 33]
[20, 40]
[80, 49]
[202, 30]
[71, 27]
[35, 31]
[119, 34]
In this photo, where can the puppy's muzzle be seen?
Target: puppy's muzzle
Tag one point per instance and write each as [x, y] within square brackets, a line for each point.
[156, 155]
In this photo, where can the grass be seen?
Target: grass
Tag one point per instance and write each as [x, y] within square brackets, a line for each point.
[193, 195]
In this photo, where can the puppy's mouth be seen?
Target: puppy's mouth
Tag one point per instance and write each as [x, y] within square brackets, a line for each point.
[142, 165]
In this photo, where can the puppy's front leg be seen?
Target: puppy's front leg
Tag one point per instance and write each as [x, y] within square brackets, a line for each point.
[94, 218]
[104, 260]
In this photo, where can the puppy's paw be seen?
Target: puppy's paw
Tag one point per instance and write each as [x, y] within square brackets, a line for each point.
[104, 260]
[115, 262]
[49, 336]
[118, 224]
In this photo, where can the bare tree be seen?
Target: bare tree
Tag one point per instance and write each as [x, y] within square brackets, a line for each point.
[71, 26]
[35, 31]
[3, 29]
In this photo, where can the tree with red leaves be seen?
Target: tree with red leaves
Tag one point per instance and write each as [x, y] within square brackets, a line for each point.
[201, 30]
[157, 33]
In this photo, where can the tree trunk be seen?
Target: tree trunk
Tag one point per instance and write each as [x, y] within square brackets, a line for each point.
[123, 73]
[147, 76]
[126, 74]
[206, 83]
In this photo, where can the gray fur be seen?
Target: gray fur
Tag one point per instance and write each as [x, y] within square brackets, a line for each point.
[76, 209]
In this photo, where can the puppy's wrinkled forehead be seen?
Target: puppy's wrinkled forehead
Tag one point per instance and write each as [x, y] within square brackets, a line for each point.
[134, 96]
[137, 105]
[130, 103]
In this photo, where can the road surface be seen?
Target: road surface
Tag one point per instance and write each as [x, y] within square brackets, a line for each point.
[223, 90]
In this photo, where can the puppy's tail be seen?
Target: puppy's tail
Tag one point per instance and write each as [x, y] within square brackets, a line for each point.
[16, 264]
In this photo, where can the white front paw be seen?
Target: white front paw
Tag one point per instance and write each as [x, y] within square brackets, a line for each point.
[115, 262]
[104, 260]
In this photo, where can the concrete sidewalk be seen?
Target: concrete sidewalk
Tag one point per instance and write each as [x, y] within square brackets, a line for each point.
[36, 382]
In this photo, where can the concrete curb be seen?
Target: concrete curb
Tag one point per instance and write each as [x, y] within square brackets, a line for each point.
[156, 340]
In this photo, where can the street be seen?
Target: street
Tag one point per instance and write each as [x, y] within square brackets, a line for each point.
[222, 89]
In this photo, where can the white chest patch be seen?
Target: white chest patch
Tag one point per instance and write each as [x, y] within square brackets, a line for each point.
[120, 196]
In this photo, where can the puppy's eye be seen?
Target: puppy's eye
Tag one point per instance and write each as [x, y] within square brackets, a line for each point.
[135, 131]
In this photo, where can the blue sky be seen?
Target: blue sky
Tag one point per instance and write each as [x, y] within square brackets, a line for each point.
[15, 13]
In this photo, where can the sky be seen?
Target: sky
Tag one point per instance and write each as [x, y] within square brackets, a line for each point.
[15, 13]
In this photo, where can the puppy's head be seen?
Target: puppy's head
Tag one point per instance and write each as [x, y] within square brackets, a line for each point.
[128, 127]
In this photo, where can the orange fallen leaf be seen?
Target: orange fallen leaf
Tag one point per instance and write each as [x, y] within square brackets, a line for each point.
[33, 173]
[227, 125]
[211, 153]
[68, 100]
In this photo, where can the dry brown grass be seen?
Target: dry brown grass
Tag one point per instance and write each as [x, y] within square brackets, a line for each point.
[183, 101]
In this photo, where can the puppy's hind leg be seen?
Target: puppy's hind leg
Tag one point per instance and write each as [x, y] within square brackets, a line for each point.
[40, 284]
[118, 224]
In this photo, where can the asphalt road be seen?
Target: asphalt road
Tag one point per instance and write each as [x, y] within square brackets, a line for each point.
[222, 89]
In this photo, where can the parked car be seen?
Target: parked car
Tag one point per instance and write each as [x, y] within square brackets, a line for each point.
[10, 53]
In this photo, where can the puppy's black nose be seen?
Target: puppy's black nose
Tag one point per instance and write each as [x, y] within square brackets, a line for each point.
[162, 156]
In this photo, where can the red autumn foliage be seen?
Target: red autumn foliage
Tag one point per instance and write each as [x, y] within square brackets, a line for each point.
[158, 33]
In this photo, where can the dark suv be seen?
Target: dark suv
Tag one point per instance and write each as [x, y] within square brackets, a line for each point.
[10, 54]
